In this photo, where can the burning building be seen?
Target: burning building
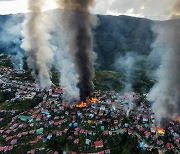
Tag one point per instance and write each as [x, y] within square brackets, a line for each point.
[79, 24]
[165, 94]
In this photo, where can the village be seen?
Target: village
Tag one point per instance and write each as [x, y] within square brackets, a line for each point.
[100, 125]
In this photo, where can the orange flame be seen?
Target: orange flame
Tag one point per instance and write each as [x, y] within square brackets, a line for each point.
[94, 100]
[178, 119]
[160, 131]
[81, 105]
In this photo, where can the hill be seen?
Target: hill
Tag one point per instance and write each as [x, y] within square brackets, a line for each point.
[113, 35]
[117, 40]
[117, 35]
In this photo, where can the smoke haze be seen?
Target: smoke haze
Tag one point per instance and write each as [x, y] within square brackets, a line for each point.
[166, 92]
[125, 64]
[9, 38]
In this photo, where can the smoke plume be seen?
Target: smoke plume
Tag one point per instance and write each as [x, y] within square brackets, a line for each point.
[79, 25]
[36, 43]
[165, 94]
[63, 59]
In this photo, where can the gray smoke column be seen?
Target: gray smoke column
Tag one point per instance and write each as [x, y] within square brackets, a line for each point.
[80, 22]
[36, 43]
[63, 59]
[165, 94]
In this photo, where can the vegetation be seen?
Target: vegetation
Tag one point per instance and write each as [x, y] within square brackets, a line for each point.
[112, 80]
[23, 104]
[6, 96]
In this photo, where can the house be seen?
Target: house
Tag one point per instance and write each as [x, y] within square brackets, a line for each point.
[21, 126]
[82, 131]
[142, 145]
[126, 125]
[115, 121]
[8, 131]
[121, 131]
[141, 129]
[1, 131]
[39, 137]
[49, 136]
[70, 137]
[106, 132]
[76, 133]
[39, 131]
[32, 151]
[58, 133]
[14, 141]
[1, 148]
[76, 141]
[32, 131]
[145, 118]
[178, 139]
[107, 151]
[99, 144]
[25, 118]
[10, 148]
[169, 146]
[100, 152]
[102, 108]
[33, 142]
[9, 138]
[65, 130]
[125, 129]
[19, 135]
[130, 132]
[102, 128]
[159, 142]
[55, 95]
[87, 141]
[147, 134]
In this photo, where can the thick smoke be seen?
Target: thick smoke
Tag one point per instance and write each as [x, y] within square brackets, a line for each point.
[166, 92]
[63, 59]
[79, 25]
[36, 43]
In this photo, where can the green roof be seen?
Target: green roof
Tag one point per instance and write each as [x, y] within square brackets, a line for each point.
[122, 131]
[25, 118]
[126, 124]
[40, 131]
[146, 125]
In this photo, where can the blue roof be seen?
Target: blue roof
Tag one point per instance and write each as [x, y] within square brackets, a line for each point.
[75, 124]
[142, 144]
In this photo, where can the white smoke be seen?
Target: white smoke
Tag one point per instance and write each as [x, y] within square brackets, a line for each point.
[63, 61]
[36, 43]
[165, 94]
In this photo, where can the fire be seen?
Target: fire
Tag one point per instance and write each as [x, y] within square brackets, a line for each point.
[94, 100]
[81, 105]
[178, 119]
[160, 130]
